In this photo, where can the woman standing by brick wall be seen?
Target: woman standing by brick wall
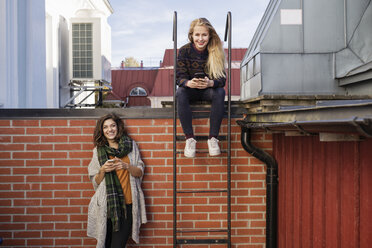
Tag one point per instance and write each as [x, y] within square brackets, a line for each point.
[117, 208]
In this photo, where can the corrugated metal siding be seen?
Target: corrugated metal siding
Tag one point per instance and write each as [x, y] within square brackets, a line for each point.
[366, 197]
[325, 192]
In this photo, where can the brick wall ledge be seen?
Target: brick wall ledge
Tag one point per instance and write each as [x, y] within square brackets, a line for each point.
[126, 113]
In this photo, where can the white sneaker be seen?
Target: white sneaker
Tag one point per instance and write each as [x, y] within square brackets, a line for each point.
[190, 148]
[213, 147]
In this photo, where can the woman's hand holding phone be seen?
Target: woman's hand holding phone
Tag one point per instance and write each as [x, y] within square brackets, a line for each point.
[118, 164]
[109, 165]
[200, 81]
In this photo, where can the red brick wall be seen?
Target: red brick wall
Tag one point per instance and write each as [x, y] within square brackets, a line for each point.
[44, 187]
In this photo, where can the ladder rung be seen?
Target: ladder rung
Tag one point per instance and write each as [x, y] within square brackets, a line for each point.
[200, 151]
[200, 137]
[201, 109]
[201, 241]
[201, 230]
[202, 191]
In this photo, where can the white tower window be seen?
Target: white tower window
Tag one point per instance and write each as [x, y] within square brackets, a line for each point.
[82, 50]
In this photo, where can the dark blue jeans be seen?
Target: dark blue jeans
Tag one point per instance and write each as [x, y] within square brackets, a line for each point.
[187, 95]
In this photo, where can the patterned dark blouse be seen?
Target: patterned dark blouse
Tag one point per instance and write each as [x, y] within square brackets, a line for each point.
[191, 61]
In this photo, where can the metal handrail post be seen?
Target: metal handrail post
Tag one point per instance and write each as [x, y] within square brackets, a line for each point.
[174, 131]
[228, 36]
[100, 94]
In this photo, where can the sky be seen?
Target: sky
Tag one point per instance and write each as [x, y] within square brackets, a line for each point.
[143, 28]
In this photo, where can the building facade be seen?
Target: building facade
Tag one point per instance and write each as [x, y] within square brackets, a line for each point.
[306, 78]
[46, 43]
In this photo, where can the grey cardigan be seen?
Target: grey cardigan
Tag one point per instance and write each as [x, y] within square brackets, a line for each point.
[97, 210]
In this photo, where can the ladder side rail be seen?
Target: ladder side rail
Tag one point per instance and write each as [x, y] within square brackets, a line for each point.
[228, 37]
[174, 130]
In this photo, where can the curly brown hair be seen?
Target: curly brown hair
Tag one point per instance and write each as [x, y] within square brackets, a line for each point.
[99, 138]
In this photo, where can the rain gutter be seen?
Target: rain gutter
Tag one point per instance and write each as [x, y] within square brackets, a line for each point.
[271, 184]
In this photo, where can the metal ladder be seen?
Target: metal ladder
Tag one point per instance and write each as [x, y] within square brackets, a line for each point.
[177, 192]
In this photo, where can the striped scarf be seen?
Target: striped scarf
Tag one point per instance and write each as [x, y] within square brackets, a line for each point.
[116, 208]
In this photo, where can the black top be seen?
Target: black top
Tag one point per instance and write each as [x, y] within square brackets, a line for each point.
[191, 61]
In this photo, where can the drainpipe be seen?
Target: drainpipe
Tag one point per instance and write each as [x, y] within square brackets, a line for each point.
[271, 185]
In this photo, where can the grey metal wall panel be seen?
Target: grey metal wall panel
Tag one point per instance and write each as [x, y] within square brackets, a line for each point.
[298, 74]
[63, 63]
[346, 60]
[350, 61]
[251, 87]
[353, 13]
[360, 88]
[260, 33]
[329, 50]
[243, 73]
[283, 38]
[361, 43]
[323, 26]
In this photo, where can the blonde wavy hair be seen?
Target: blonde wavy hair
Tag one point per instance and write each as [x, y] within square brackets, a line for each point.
[216, 58]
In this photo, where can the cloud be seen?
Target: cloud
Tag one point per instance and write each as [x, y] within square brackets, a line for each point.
[143, 28]
[122, 33]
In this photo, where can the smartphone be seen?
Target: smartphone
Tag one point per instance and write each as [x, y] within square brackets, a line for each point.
[199, 75]
[111, 160]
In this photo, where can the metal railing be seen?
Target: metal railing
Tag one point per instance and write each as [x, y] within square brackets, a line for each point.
[174, 130]
[90, 87]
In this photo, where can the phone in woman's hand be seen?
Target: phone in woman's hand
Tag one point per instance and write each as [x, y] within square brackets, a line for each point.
[199, 75]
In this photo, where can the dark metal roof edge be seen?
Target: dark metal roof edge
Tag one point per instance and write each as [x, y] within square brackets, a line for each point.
[321, 122]
[363, 126]
[317, 97]
[125, 113]
[355, 117]
[333, 106]
[333, 112]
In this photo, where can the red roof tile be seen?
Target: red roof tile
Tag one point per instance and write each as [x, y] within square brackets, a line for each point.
[168, 58]
[237, 54]
[123, 81]
[235, 82]
[163, 85]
